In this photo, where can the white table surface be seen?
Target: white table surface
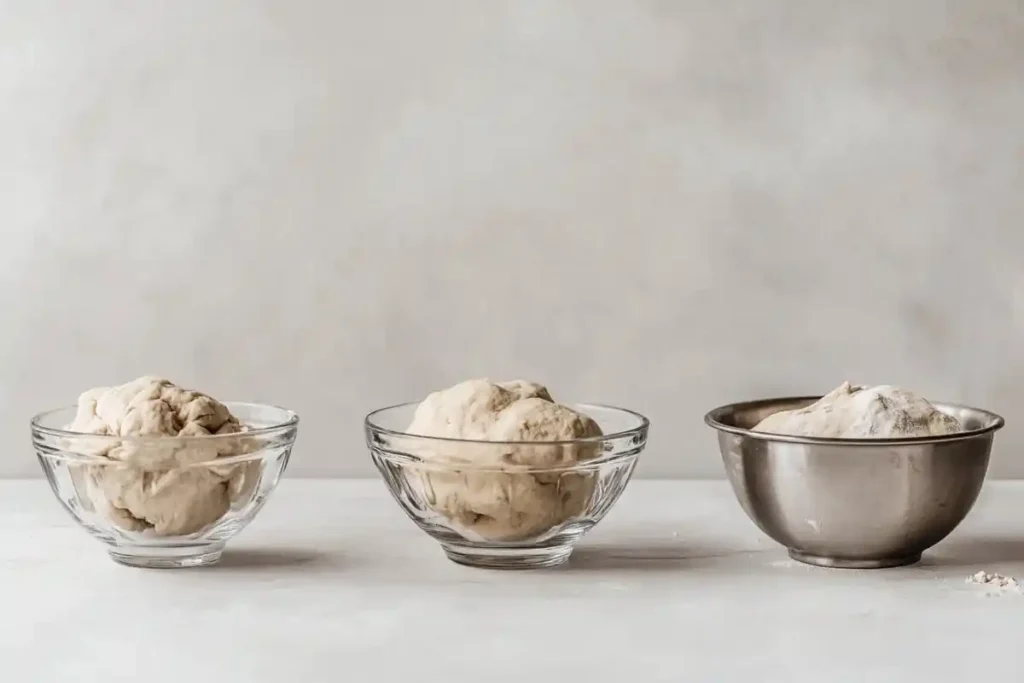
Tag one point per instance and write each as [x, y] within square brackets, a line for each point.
[333, 583]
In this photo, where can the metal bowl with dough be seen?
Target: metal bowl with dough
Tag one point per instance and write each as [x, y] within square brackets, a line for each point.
[511, 504]
[853, 503]
[166, 501]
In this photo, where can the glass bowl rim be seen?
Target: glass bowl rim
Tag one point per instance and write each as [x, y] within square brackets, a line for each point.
[642, 427]
[291, 421]
[408, 459]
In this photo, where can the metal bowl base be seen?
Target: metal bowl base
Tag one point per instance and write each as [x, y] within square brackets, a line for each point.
[845, 563]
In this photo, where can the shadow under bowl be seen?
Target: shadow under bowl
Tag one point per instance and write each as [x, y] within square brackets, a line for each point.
[853, 503]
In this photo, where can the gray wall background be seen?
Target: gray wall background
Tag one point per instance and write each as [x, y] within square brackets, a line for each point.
[662, 204]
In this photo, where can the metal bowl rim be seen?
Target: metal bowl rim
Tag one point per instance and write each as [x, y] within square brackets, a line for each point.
[713, 420]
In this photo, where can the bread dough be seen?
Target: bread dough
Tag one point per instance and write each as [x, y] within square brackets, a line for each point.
[149, 488]
[506, 501]
[853, 412]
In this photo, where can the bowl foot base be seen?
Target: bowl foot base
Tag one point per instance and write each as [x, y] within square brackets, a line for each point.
[508, 558]
[843, 563]
[172, 557]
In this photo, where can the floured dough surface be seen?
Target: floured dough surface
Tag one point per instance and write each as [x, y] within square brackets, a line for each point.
[511, 504]
[854, 412]
[148, 488]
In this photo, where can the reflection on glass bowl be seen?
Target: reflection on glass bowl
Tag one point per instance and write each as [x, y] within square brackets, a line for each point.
[485, 507]
[166, 501]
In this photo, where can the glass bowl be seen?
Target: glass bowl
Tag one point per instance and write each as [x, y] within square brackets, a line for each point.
[485, 507]
[162, 501]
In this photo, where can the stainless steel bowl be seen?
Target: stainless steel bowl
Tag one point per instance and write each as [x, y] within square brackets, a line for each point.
[853, 503]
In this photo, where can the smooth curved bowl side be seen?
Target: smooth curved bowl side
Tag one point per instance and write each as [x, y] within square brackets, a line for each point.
[442, 497]
[854, 503]
[253, 477]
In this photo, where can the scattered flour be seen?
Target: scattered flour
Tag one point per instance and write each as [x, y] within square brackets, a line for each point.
[996, 581]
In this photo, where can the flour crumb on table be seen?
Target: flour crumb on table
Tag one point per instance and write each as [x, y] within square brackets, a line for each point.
[983, 578]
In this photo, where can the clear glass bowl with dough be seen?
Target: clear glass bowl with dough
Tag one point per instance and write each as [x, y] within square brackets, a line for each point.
[487, 508]
[166, 501]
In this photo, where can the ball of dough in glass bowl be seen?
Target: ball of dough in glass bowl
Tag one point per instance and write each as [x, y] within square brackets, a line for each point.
[163, 475]
[500, 473]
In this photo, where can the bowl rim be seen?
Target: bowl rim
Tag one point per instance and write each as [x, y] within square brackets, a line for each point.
[644, 426]
[713, 418]
[641, 430]
[291, 421]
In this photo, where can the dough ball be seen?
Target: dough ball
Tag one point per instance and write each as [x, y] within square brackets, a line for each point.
[508, 503]
[147, 487]
[854, 412]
